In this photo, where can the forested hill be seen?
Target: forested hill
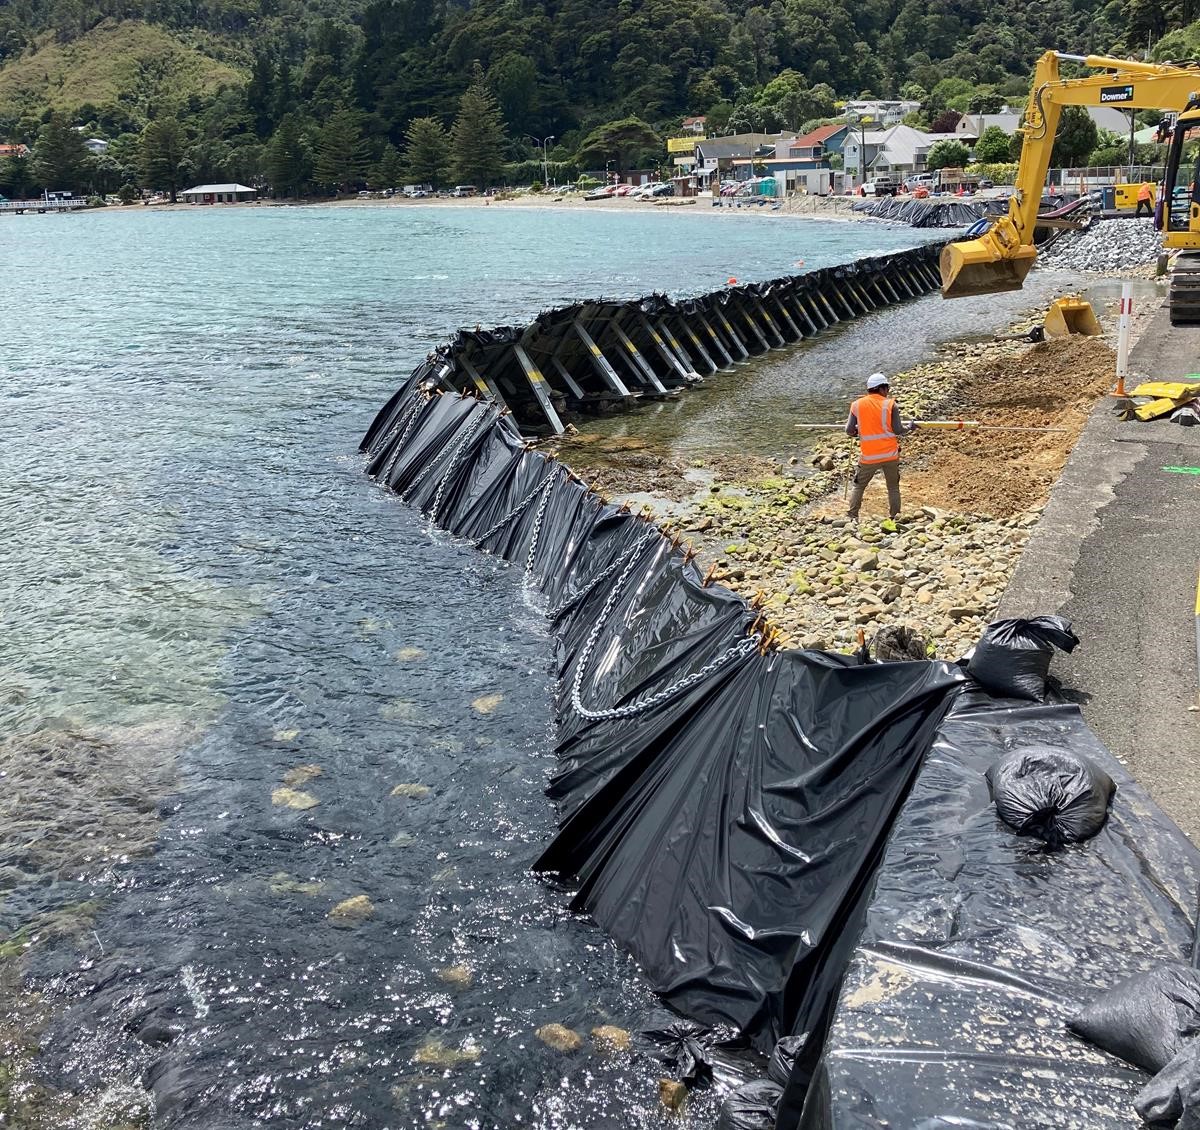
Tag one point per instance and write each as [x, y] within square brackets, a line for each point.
[232, 71]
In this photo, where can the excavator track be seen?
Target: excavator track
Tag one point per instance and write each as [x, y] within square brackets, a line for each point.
[1183, 290]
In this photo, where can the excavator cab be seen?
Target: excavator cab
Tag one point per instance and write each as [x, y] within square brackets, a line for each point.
[1178, 218]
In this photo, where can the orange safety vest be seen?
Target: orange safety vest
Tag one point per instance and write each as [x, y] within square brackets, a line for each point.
[876, 441]
[1144, 192]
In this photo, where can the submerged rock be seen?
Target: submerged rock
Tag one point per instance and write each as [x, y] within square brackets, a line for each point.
[486, 704]
[301, 775]
[609, 1038]
[436, 1054]
[458, 976]
[353, 910]
[412, 791]
[285, 735]
[281, 883]
[559, 1037]
[672, 1094]
[293, 798]
[409, 654]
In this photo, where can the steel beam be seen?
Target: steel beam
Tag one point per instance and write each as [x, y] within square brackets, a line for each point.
[640, 362]
[787, 317]
[715, 338]
[541, 389]
[568, 380]
[697, 344]
[485, 384]
[599, 362]
[737, 342]
[664, 351]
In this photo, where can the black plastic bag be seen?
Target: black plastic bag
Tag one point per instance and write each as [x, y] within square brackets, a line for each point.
[1012, 657]
[783, 1058]
[1172, 1097]
[1146, 1019]
[695, 1054]
[1054, 794]
[751, 1107]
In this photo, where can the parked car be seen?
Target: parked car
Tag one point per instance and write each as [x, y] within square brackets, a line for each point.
[880, 187]
[921, 180]
[602, 193]
[666, 188]
[461, 190]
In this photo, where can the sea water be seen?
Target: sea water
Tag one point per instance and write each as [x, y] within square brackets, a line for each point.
[273, 752]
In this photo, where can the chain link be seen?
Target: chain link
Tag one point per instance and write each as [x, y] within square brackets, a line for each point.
[743, 648]
[537, 527]
[619, 563]
[408, 425]
[476, 424]
[519, 509]
[453, 457]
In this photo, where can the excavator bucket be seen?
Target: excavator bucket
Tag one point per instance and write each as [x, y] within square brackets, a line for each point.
[974, 267]
[1072, 316]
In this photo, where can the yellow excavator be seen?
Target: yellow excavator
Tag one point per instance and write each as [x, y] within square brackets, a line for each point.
[1001, 257]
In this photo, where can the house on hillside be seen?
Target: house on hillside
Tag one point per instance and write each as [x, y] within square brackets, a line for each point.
[21, 151]
[899, 152]
[695, 125]
[971, 126]
[799, 164]
[96, 146]
[881, 112]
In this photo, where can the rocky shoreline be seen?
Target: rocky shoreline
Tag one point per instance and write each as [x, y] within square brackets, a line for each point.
[776, 531]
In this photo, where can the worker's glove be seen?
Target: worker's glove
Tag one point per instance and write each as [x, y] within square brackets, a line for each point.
[911, 426]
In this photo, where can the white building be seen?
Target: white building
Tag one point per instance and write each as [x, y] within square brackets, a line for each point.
[96, 145]
[219, 194]
[881, 111]
[971, 126]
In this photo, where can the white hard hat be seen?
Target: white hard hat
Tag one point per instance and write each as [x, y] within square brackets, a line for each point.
[876, 380]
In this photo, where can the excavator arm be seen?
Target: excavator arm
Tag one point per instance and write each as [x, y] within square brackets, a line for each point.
[1001, 258]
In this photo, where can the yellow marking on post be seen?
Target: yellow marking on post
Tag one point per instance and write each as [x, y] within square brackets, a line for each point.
[595, 351]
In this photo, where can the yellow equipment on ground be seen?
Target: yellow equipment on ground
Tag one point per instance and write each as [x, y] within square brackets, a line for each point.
[1001, 258]
[1071, 316]
[1125, 196]
[1168, 395]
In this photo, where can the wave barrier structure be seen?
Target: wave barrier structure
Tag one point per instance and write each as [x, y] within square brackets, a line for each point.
[602, 355]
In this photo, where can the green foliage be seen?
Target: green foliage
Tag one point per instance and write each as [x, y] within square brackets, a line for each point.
[60, 159]
[340, 154]
[948, 154]
[389, 169]
[287, 160]
[1077, 137]
[163, 156]
[998, 172]
[427, 152]
[127, 194]
[945, 122]
[985, 102]
[992, 145]
[628, 143]
[477, 137]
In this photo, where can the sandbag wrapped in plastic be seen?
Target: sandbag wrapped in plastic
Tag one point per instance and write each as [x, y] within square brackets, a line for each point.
[783, 1058]
[751, 1107]
[1172, 1097]
[1146, 1019]
[1012, 657]
[1054, 794]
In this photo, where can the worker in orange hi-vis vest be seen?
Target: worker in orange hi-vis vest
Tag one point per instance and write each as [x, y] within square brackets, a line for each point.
[1145, 199]
[875, 420]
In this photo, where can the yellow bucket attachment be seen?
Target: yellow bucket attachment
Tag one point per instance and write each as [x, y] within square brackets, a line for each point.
[974, 266]
[1072, 316]
[1171, 390]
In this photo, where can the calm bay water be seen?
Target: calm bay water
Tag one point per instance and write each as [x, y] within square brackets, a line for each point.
[204, 601]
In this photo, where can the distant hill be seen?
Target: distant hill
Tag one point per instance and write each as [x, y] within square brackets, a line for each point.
[127, 63]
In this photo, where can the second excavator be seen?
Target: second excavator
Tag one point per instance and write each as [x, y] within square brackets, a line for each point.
[1001, 258]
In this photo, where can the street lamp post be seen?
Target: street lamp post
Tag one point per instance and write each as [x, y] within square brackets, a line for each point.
[607, 174]
[542, 143]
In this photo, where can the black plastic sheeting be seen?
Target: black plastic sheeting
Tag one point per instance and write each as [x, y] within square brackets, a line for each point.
[923, 213]
[980, 945]
[722, 808]
[753, 826]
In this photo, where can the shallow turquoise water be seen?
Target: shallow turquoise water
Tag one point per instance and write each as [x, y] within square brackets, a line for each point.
[195, 570]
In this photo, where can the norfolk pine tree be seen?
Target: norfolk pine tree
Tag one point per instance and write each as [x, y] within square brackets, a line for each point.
[427, 152]
[59, 156]
[162, 156]
[477, 137]
[340, 156]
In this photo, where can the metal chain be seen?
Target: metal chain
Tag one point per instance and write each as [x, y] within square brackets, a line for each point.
[743, 648]
[619, 563]
[434, 462]
[537, 527]
[476, 424]
[408, 425]
[517, 510]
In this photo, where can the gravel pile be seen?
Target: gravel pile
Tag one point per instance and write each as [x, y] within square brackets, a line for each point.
[1105, 246]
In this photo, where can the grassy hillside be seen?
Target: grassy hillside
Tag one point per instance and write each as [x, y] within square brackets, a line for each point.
[126, 63]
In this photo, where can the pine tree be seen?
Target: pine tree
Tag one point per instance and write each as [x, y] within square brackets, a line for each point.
[163, 156]
[427, 151]
[260, 96]
[60, 157]
[477, 137]
[389, 169]
[287, 161]
[340, 157]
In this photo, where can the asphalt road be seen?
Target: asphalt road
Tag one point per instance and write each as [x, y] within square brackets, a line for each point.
[1117, 552]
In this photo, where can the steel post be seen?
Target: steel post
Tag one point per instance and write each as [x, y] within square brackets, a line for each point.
[541, 389]
[599, 362]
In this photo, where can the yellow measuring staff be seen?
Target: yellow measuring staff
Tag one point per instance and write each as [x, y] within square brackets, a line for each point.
[953, 426]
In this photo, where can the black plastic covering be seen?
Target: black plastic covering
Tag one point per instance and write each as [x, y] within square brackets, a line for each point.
[980, 946]
[736, 818]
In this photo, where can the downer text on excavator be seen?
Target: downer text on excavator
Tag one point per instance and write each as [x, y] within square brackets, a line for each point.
[1001, 257]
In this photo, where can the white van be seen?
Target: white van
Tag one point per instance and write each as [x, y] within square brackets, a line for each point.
[465, 190]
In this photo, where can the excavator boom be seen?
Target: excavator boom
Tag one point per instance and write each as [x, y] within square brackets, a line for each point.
[1000, 259]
